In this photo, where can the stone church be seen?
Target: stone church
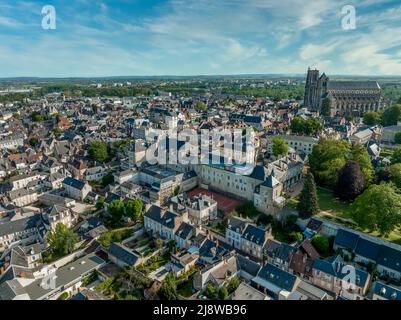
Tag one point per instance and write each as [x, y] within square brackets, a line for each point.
[344, 97]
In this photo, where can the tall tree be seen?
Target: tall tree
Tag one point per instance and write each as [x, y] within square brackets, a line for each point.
[280, 147]
[308, 201]
[327, 159]
[391, 115]
[98, 151]
[116, 209]
[371, 118]
[378, 208]
[133, 209]
[396, 156]
[312, 126]
[326, 107]
[168, 289]
[395, 174]
[397, 137]
[351, 181]
[297, 125]
[360, 154]
[62, 240]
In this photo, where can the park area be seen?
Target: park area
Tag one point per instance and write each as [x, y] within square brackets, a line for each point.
[224, 204]
[340, 212]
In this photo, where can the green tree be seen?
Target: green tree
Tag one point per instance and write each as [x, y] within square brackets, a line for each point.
[360, 154]
[201, 106]
[326, 107]
[177, 190]
[391, 115]
[296, 236]
[321, 243]
[396, 156]
[211, 291]
[327, 159]
[57, 132]
[159, 243]
[397, 137]
[37, 117]
[395, 174]
[34, 141]
[308, 201]
[100, 203]
[223, 294]
[116, 209]
[378, 208]
[371, 118]
[133, 209]
[312, 126]
[280, 147]
[297, 125]
[233, 284]
[168, 289]
[98, 151]
[107, 179]
[62, 240]
[17, 116]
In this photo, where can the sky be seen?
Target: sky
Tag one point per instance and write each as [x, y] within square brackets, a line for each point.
[96, 38]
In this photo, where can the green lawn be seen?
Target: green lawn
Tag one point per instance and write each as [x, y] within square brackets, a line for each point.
[185, 290]
[154, 263]
[218, 227]
[109, 237]
[341, 212]
[327, 202]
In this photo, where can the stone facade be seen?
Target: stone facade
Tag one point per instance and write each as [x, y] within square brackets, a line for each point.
[346, 97]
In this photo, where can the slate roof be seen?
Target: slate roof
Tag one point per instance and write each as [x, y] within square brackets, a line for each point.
[335, 269]
[77, 184]
[278, 277]
[218, 250]
[352, 85]
[367, 249]
[123, 254]
[248, 266]
[235, 224]
[258, 173]
[19, 225]
[346, 239]
[284, 252]
[167, 219]
[270, 182]
[386, 291]
[184, 231]
[382, 254]
[254, 234]
[390, 258]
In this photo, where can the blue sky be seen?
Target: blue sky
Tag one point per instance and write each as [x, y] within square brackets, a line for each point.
[194, 37]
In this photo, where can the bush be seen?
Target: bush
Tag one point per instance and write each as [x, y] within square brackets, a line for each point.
[322, 244]
[63, 296]
[223, 294]
[248, 209]
[233, 285]
[89, 279]
[296, 236]
[108, 238]
[211, 291]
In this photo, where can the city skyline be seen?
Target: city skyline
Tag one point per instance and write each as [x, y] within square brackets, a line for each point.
[190, 38]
